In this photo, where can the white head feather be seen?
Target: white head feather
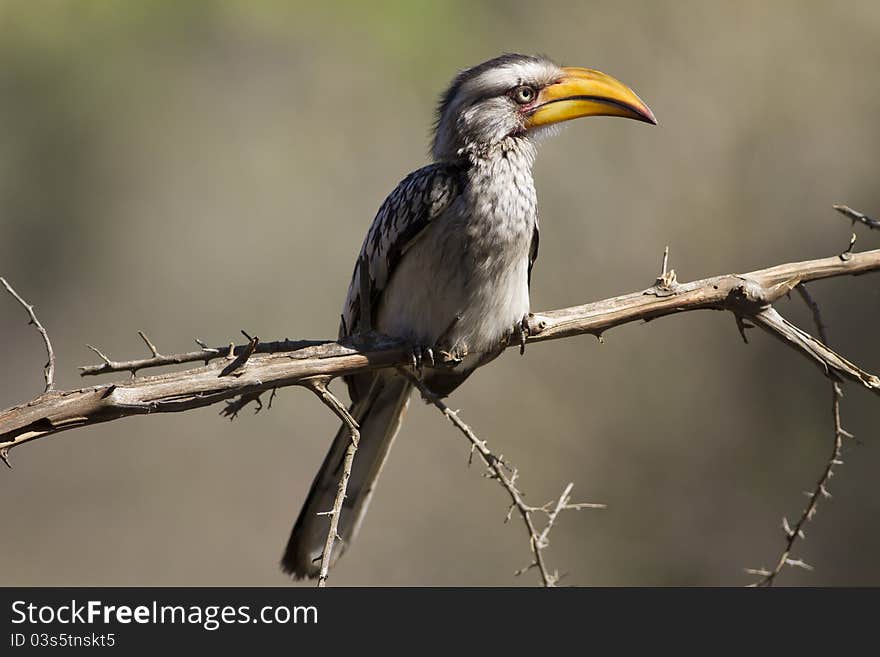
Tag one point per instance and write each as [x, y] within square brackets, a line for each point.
[476, 109]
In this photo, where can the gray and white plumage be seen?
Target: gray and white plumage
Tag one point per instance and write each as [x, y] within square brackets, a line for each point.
[448, 259]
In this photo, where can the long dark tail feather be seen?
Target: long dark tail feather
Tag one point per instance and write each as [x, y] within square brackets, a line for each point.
[379, 415]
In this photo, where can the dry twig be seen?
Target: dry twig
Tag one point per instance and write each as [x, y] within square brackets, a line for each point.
[506, 475]
[820, 490]
[858, 217]
[49, 367]
[319, 387]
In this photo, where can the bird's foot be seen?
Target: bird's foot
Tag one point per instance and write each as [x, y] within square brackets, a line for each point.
[436, 357]
[422, 355]
[449, 358]
[521, 333]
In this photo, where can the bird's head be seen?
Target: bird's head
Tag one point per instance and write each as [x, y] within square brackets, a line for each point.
[519, 96]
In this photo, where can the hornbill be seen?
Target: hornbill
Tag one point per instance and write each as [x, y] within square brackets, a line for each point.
[447, 261]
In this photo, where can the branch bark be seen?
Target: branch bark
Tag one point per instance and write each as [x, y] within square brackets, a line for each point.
[274, 365]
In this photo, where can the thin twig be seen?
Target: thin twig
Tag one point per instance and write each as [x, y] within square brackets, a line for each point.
[832, 364]
[506, 476]
[49, 367]
[205, 355]
[858, 217]
[820, 491]
[319, 387]
[666, 281]
[150, 345]
[236, 365]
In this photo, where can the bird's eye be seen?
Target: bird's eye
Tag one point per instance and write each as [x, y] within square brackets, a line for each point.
[523, 94]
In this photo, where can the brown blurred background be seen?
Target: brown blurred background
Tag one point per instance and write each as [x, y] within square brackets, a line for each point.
[193, 168]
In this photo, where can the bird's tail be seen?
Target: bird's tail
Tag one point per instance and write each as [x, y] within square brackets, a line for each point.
[378, 415]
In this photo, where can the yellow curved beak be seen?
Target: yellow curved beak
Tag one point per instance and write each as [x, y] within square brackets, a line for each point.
[585, 92]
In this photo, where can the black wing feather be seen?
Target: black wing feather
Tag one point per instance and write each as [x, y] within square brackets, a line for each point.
[533, 250]
[419, 199]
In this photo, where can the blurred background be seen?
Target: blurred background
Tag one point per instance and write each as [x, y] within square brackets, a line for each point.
[195, 168]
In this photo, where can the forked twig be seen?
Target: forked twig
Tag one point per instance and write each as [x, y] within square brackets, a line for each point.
[820, 490]
[319, 387]
[506, 476]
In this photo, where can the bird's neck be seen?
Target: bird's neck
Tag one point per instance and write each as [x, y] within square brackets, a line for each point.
[500, 198]
[502, 168]
[519, 152]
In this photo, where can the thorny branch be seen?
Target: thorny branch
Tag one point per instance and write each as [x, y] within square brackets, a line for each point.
[255, 367]
[319, 387]
[820, 491]
[506, 475]
[285, 363]
[205, 354]
[49, 367]
[856, 216]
